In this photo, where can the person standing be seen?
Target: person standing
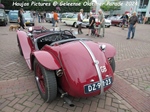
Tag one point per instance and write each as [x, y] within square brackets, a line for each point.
[39, 17]
[79, 21]
[21, 18]
[52, 16]
[132, 24]
[56, 18]
[91, 24]
[101, 19]
[123, 21]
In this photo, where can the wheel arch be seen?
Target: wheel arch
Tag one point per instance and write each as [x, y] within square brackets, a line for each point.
[75, 25]
[45, 59]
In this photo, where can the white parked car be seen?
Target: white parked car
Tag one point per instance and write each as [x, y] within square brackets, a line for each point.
[71, 19]
[49, 17]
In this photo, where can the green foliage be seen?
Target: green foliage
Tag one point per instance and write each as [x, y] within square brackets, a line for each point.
[9, 5]
[108, 5]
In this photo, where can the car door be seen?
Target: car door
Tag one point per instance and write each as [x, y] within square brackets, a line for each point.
[71, 19]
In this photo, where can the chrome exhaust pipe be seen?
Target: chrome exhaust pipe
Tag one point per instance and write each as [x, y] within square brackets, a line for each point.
[65, 98]
[68, 101]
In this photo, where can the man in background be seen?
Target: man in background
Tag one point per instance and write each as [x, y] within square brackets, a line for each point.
[101, 19]
[79, 21]
[91, 24]
[21, 18]
[132, 24]
[55, 18]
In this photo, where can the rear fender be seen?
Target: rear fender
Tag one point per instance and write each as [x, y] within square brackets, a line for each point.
[46, 60]
[110, 50]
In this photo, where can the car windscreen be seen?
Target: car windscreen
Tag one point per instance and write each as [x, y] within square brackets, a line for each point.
[13, 13]
[27, 15]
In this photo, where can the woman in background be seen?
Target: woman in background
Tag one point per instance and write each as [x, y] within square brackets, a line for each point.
[21, 18]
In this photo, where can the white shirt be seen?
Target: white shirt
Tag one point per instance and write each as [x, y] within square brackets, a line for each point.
[81, 17]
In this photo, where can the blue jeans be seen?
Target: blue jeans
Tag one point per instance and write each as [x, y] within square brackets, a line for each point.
[53, 22]
[131, 29]
[39, 19]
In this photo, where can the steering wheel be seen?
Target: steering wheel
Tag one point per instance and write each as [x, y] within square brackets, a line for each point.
[65, 33]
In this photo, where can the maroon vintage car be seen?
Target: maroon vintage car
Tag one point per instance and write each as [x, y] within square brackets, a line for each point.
[118, 21]
[63, 63]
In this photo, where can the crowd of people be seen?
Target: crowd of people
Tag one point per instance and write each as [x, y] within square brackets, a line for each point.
[94, 26]
[42, 17]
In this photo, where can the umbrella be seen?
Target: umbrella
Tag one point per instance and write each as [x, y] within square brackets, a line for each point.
[2, 6]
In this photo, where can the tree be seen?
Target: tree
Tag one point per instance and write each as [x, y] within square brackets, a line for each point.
[111, 5]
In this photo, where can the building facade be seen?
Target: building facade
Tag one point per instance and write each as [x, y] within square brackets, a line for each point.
[142, 7]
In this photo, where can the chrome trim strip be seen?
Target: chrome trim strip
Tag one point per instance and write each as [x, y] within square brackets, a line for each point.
[96, 63]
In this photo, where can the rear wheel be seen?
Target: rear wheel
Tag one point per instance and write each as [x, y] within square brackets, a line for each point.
[46, 82]
[120, 24]
[112, 63]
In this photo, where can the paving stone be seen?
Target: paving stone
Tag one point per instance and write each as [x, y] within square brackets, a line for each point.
[108, 101]
[43, 107]
[114, 109]
[35, 108]
[115, 105]
[22, 100]
[102, 110]
[8, 109]
[78, 109]
[85, 108]
[29, 104]
[129, 58]
[14, 102]
[121, 110]
[19, 107]
[38, 101]
[60, 109]
[26, 109]
[101, 103]
[123, 107]
[93, 106]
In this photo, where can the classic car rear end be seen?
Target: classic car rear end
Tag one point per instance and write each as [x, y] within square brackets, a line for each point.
[73, 66]
[85, 74]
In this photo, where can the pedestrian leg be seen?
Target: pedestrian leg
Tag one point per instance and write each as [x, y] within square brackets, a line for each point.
[99, 30]
[103, 30]
[79, 29]
[129, 31]
[133, 32]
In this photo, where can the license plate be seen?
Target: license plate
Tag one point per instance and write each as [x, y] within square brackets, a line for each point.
[97, 86]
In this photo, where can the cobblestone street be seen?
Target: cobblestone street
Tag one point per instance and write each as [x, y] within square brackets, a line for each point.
[130, 91]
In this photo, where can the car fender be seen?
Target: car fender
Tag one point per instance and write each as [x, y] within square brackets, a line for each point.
[110, 50]
[46, 60]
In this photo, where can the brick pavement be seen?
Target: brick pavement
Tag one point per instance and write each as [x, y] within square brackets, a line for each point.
[131, 78]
